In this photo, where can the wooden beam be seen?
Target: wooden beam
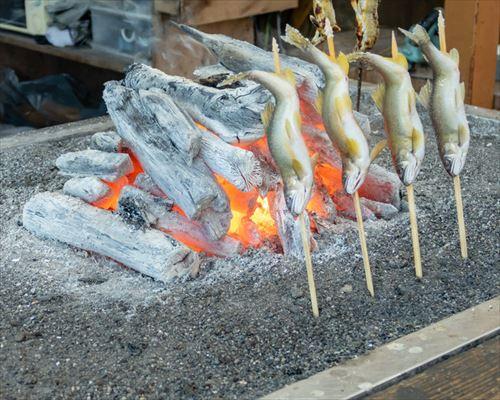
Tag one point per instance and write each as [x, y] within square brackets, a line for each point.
[473, 28]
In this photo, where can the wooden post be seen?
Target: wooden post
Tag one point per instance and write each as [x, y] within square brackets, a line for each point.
[414, 231]
[472, 27]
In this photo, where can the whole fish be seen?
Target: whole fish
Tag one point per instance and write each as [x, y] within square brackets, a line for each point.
[396, 100]
[367, 29]
[322, 10]
[334, 104]
[240, 56]
[445, 101]
[283, 129]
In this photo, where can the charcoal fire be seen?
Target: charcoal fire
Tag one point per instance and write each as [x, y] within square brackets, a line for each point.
[173, 171]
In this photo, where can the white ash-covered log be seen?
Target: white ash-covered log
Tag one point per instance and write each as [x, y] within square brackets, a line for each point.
[72, 221]
[167, 144]
[108, 141]
[89, 189]
[144, 210]
[85, 163]
[233, 113]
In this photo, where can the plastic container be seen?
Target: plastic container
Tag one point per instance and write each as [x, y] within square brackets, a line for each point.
[123, 32]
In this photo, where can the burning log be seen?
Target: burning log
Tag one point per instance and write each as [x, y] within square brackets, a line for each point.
[108, 141]
[382, 186]
[167, 145]
[144, 210]
[381, 210]
[144, 182]
[72, 221]
[345, 206]
[89, 189]
[289, 229]
[238, 166]
[107, 166]
[233, 114]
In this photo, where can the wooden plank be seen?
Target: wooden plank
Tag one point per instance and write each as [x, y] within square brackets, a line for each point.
[399, 359]
[57, 132]
[194, 12]
[473, 28]
[473, 374]
[84, 55]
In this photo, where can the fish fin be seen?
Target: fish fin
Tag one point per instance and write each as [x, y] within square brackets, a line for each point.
[287, 73]
[401, 60]
[377, 149]
[267, 114]
[288, 129]
[233, 78]
[463, 134]
[353, 148]
[417, 139]
[378, 97]
[343, 62]
[318, 104]
[424, 97]
[297, 167]
[343, 105]
[455, 56]
[394, 46]
[295, 38]
[462, 90]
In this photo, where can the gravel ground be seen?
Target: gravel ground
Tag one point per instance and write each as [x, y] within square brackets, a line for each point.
[76, 325]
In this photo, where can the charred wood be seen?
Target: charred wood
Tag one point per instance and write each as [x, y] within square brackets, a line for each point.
[381, 210]
[108, 141]
[289, 230]
[233, 114]
[144, 210]
[107, 166]
[89, 189]
[72, 221]
[167, 144]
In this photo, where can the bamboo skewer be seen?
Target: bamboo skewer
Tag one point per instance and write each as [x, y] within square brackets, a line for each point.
[357, 206]
[414, 231]
[460, 216]
[303, 231]
[309, 267]
[456, 179]
[364, 249]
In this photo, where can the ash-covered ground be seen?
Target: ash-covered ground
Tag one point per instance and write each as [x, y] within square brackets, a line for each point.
[77, 325]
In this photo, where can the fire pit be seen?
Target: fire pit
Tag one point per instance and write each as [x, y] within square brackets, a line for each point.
[162, 171]
[75, 322]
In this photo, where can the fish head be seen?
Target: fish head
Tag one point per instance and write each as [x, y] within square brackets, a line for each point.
[453, 158]
[407, 166]
[297, 194]
[353, 175]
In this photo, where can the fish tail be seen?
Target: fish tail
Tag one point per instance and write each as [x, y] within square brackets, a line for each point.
[418, 34]
[234, 78]
[295, 38]
[296, 197]
[410, 170]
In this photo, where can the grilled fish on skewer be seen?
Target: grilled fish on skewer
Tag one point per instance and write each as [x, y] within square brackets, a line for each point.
[445, 101]
[336, 109]
[322, 10]
[396, 100]
[283, 129]
[366, 23]
[239, 56]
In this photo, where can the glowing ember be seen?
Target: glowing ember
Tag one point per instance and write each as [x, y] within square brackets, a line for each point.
[252, 223]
